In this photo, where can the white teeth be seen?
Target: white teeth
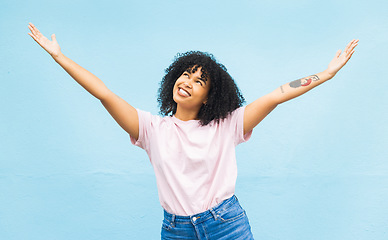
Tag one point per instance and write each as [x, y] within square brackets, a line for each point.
[184, 92]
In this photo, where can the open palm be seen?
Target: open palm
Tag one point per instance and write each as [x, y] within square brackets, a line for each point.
[341, 59]
[52, 47]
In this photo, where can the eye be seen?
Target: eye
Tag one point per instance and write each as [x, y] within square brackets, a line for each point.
[185, 74]
[198, 81]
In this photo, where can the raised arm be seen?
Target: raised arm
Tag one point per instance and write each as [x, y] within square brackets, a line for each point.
[124, 114]
[256, 111]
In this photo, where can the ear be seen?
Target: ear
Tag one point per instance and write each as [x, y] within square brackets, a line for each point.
[204, 102]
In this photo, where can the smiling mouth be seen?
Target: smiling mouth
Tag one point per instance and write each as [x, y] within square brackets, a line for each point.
[184, 92]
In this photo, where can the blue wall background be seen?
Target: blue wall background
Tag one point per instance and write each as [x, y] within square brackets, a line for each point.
[315, 168]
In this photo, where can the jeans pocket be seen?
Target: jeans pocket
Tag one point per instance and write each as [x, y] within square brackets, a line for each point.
[166, 225]
[231, 214]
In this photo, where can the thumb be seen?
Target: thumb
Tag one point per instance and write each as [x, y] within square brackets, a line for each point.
[53, 38]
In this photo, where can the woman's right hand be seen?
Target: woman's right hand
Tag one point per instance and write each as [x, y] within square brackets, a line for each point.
[52, 47]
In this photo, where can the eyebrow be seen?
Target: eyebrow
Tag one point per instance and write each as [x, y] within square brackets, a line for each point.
[200, 78]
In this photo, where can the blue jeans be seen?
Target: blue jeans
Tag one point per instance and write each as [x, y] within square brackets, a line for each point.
[225, 221]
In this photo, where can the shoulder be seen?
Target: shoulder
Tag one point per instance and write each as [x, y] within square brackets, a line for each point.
[236, 114]
[147, 119]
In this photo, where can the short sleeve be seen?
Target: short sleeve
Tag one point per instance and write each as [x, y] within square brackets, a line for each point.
[236, 125]
[145, 120]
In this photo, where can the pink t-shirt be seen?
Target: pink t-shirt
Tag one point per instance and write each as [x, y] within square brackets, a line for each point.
[195, 166]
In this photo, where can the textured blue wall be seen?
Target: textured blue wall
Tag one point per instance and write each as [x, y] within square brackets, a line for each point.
[316, 168]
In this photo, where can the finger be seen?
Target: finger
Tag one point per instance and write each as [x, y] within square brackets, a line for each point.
[33, 37]
[354, 41]
[338, 53]
[348, 46]
[351, 50]
[31, 26]
[36, 31]
[33, 30]
[38, 41]
[350, 55]
[53, 37]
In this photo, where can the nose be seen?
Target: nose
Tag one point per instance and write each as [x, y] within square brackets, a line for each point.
[186, 84]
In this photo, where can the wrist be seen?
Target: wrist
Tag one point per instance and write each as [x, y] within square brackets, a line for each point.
[57, 56]
[329, 74]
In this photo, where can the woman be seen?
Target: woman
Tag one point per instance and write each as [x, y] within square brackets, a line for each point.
[192, 148]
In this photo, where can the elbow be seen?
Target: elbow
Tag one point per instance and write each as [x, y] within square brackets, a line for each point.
[105, 96]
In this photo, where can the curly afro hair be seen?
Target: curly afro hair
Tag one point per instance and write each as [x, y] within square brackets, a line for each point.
[223, 97]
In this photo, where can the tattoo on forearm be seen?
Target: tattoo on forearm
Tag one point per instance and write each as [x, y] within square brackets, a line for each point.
[281, 89]
[304, 81]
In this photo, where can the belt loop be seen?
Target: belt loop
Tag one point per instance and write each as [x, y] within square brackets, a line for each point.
[215, 215]
[173, 220]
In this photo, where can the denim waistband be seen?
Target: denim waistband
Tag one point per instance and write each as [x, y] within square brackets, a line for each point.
[213, 212]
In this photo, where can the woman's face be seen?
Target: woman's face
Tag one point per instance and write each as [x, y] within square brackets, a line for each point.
[191, 90]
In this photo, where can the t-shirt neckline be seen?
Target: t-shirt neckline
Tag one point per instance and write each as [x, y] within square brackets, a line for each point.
[177, 120]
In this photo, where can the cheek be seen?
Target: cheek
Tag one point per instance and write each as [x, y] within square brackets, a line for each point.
[206, 92]
[174, 91]
[176, 85]
[204, 95]
[178, 80]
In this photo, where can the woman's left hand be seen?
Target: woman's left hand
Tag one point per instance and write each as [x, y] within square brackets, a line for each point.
[341, 59]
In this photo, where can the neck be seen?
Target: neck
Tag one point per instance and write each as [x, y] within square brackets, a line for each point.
[186, 114]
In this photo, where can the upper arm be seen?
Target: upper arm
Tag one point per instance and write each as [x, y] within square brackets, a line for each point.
[124, 114]
[256, 111]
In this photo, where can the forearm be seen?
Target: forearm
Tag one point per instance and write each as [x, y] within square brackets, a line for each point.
[85, 78]
[298, 87]
[256, 111]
